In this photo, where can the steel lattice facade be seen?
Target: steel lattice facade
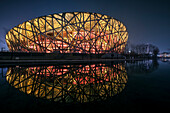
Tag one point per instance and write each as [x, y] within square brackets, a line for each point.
[75, 32]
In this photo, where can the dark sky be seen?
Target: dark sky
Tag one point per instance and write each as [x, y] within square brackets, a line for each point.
[147, 21]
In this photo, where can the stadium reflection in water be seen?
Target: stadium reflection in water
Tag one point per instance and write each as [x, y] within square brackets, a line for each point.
[70, 83]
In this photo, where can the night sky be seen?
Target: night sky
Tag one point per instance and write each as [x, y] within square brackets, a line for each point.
[147, 21]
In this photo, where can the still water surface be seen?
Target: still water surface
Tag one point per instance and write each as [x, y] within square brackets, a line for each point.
[141, 86]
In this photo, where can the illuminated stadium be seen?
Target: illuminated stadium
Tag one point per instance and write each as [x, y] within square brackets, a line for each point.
[72, 32]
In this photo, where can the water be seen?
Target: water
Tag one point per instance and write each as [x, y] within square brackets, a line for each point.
[110, 87]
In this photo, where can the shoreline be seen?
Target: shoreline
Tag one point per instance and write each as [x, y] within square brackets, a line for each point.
[28, 62]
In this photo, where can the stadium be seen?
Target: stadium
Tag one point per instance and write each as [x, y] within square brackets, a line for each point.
[70, 32]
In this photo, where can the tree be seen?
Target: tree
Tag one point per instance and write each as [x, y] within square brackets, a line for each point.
[155, 51]
[146, 49]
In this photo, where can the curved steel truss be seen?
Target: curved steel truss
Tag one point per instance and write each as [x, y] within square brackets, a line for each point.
[76, 32]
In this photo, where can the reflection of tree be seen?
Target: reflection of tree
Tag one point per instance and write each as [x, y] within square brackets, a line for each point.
[70, 83]
[145, 66]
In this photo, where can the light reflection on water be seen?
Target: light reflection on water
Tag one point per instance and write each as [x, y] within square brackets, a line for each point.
[70, 83]
[138, 85]
[165, 59]
[142, 67]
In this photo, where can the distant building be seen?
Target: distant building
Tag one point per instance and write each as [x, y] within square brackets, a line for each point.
[145, 49]
[164, 55]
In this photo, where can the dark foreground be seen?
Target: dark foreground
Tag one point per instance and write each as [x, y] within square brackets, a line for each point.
[147, 90]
